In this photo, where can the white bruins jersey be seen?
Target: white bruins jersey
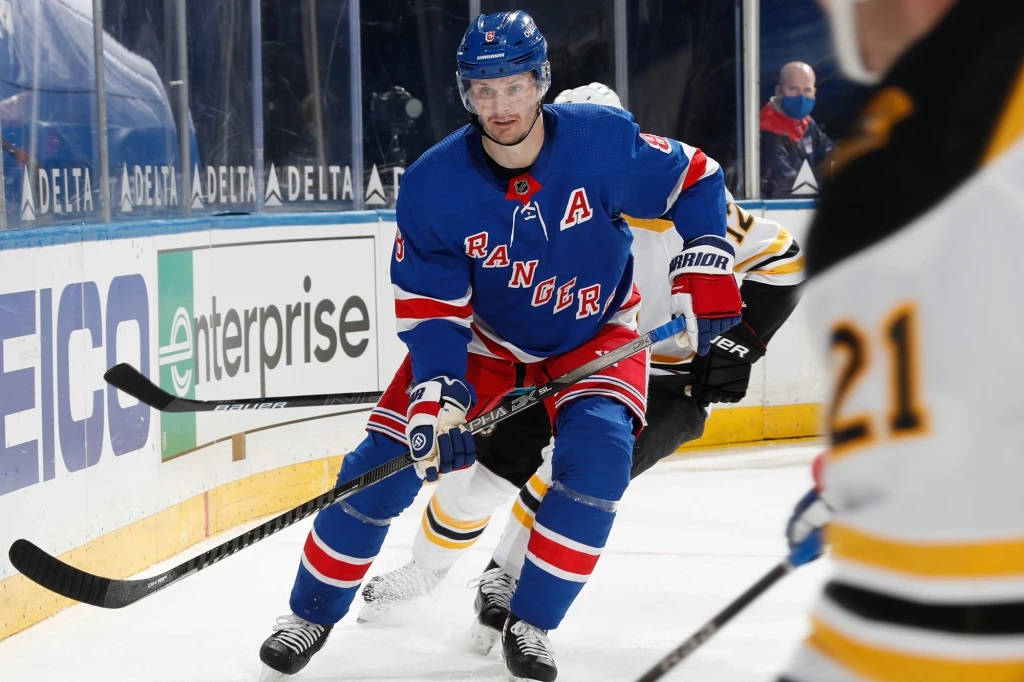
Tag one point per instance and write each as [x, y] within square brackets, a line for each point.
[765, 252]
[923, 327]
[927, 466]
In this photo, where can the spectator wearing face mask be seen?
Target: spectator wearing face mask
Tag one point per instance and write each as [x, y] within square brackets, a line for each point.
[793, 147]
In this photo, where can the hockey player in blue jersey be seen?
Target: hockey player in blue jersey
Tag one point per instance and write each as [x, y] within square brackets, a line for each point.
[512, 265]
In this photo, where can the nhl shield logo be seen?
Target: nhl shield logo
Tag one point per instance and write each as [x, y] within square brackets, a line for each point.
[489, 36]
[521, 188]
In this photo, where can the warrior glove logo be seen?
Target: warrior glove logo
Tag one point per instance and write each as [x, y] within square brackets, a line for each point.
[696, 259]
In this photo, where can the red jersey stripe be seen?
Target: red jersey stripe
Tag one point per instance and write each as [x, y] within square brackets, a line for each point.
[493, 346]
[695, 171]
[425, 309]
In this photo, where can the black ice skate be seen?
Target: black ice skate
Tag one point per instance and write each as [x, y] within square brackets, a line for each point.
[397, 588]
[493, 593]
[527, 652]
[293, 643]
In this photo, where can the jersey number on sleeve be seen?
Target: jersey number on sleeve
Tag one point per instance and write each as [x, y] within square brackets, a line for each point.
[657, 141]
[906, 416]
[743, 222]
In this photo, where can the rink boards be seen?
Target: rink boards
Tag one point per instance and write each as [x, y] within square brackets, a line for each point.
[220, 307]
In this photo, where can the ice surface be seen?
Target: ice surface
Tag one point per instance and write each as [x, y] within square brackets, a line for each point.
[691, 535]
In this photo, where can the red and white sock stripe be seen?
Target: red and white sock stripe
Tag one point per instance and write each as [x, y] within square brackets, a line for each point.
[330, 567]
[560, 556]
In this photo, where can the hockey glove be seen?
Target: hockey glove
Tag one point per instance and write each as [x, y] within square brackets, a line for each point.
[704, 290]
[722, 375]
[438, 441]
[804, 529]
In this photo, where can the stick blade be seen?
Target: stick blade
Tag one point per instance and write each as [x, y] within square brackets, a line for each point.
[133, 382]
[57, 576]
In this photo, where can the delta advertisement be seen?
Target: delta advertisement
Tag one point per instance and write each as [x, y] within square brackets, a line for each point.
[207, 314]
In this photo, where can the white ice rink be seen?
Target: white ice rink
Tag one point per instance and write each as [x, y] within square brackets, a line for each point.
[691, 535]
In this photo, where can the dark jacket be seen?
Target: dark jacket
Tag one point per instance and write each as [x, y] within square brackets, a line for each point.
[786, 144]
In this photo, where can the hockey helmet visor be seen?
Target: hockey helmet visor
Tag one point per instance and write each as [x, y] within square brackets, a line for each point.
[499, 45]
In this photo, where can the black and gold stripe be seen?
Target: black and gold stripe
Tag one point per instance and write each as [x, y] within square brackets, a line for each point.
[528, 501]
[891, 663]
[446, 531]
[999, 618]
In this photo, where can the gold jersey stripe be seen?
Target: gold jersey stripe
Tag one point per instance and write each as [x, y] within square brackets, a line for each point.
[783, 269]
[778, 245]
[522, 514]
[443, 541]
[1011, 123]
[888, 665]
[451, 521]
[993, 559]
[658, 225]
[539, 487]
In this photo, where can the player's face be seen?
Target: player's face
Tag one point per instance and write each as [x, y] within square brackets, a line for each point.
[506, 106]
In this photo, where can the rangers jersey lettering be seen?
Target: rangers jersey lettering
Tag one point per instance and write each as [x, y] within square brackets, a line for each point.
[541, 262]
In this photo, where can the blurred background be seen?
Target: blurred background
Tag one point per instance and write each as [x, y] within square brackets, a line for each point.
[243, 106]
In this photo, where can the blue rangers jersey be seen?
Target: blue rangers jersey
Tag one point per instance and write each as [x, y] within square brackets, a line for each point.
[533, 266]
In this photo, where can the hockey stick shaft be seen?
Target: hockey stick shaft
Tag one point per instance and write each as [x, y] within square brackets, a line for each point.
[136, 384]
[53, 574]
[705, 633]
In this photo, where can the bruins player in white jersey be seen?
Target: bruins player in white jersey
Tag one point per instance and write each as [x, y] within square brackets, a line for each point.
[769, 263]
[912, 255]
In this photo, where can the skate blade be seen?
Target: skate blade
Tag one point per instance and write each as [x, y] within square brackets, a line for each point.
[268, 674]
[482, 638]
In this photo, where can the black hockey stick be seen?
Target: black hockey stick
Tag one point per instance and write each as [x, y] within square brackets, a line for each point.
[136, 384]
[715, 624]
[64, 579]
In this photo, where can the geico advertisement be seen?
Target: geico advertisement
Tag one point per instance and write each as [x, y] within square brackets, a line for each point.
[57, 416]
[268, 318]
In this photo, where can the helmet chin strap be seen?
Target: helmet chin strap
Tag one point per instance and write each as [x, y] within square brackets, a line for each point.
[480, 126]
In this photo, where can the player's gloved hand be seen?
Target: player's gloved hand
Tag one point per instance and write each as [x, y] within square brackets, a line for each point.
[704, 290]
[722, 375]
[804, 529]
[438, 441]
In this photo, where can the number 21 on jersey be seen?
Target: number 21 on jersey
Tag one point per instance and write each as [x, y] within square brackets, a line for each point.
[898, 354]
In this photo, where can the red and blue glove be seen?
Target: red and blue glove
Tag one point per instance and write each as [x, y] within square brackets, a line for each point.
[704, 290]
[804, 531]
[438, 439]
[805, 526]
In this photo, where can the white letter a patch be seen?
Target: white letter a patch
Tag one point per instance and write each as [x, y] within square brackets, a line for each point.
[577, 210]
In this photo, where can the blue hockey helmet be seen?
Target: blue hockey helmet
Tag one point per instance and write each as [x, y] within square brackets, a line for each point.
[502, 44]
